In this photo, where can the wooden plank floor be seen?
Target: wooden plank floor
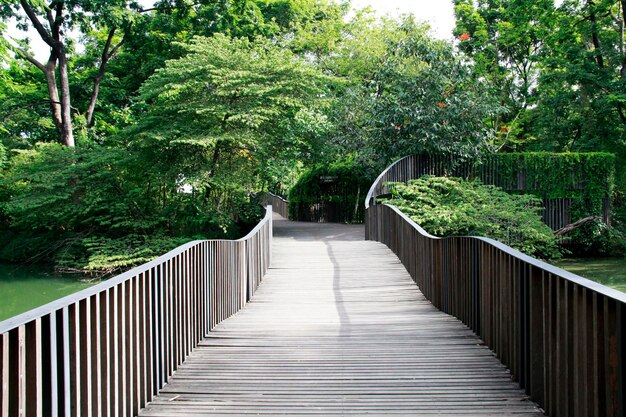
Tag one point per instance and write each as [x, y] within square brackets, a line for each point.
[339, 328]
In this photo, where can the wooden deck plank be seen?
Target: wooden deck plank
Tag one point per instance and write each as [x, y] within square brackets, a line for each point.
[339, 328]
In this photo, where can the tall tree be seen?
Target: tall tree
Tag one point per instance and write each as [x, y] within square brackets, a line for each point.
[404, 93]
[223, 112]
[52, 22]
[581, 92]
[505, 39]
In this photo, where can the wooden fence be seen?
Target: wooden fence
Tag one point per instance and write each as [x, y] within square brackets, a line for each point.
[556, 212]
[279, 204]
[107, 350]
[562, 336]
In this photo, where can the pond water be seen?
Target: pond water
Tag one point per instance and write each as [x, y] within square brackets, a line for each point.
[607, 271]
[25, 287]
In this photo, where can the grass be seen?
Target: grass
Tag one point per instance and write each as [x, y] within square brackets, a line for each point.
[607, 271]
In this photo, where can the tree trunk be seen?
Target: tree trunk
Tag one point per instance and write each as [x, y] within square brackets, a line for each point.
[66, 109]
[53, 94]
[595, 38]
[571, 227]
[94, 99]
[61, 109]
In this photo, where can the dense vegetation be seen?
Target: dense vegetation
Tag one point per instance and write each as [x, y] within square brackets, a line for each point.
[447, 206]
[149, 126]
[558, 71]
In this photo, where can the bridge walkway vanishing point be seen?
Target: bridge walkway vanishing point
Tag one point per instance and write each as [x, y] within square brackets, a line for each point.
[339, 328]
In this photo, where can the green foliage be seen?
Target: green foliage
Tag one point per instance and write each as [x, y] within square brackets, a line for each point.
[456, 207]
[24, 107]
[232, 107]
[82, 208]
[588, 178]
[560, 71]
[406, 93]
[330, 192]
[103, 254]
[598, 239]
[504, 38]
[3, 156]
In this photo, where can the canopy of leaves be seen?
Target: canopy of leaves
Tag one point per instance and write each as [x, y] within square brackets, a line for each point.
[408, 93]
[24, 107]
[456, 207]
[560, 70]
[226, 109]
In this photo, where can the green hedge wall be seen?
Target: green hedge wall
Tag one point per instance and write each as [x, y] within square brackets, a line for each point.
[330, 193]
[588, 178]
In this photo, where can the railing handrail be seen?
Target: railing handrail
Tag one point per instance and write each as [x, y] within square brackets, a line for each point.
[370, 194]
[38, 312]
[562, 273]
[276, 196]
[279, 204]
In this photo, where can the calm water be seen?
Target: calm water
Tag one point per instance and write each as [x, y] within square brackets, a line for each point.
[608, 271]
[25, 287]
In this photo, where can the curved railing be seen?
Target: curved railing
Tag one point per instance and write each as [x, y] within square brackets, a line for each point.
[414, 166]
[279, 204]
[562, 336]
[556, 211]
[107, 350]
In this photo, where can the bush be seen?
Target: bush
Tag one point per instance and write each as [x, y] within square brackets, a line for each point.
[597, 239]
[456, 207]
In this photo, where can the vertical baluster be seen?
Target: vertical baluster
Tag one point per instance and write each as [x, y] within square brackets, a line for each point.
[108, 406]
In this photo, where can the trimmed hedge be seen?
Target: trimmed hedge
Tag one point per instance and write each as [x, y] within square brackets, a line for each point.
[330, 193]
[588, 178]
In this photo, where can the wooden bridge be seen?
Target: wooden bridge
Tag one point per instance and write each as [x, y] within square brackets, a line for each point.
[338, 327]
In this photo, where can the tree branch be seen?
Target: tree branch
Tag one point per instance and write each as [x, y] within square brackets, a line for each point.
[116, 47]
[161, 8]
[36, 23]
[30, 59]
[571, 227]
[58, 21]
[106, 56]
[107, 45]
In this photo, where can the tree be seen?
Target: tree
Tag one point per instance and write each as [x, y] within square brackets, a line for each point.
[223, 112]
[505, 39]
[51, 22]
[418, 95]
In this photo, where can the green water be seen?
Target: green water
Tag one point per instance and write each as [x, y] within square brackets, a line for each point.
[608, 271]
[25, 287]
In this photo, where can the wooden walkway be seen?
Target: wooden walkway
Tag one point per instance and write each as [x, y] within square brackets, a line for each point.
[339, 328]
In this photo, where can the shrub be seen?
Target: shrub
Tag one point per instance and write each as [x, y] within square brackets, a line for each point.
[456, 207]
[105, 209]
